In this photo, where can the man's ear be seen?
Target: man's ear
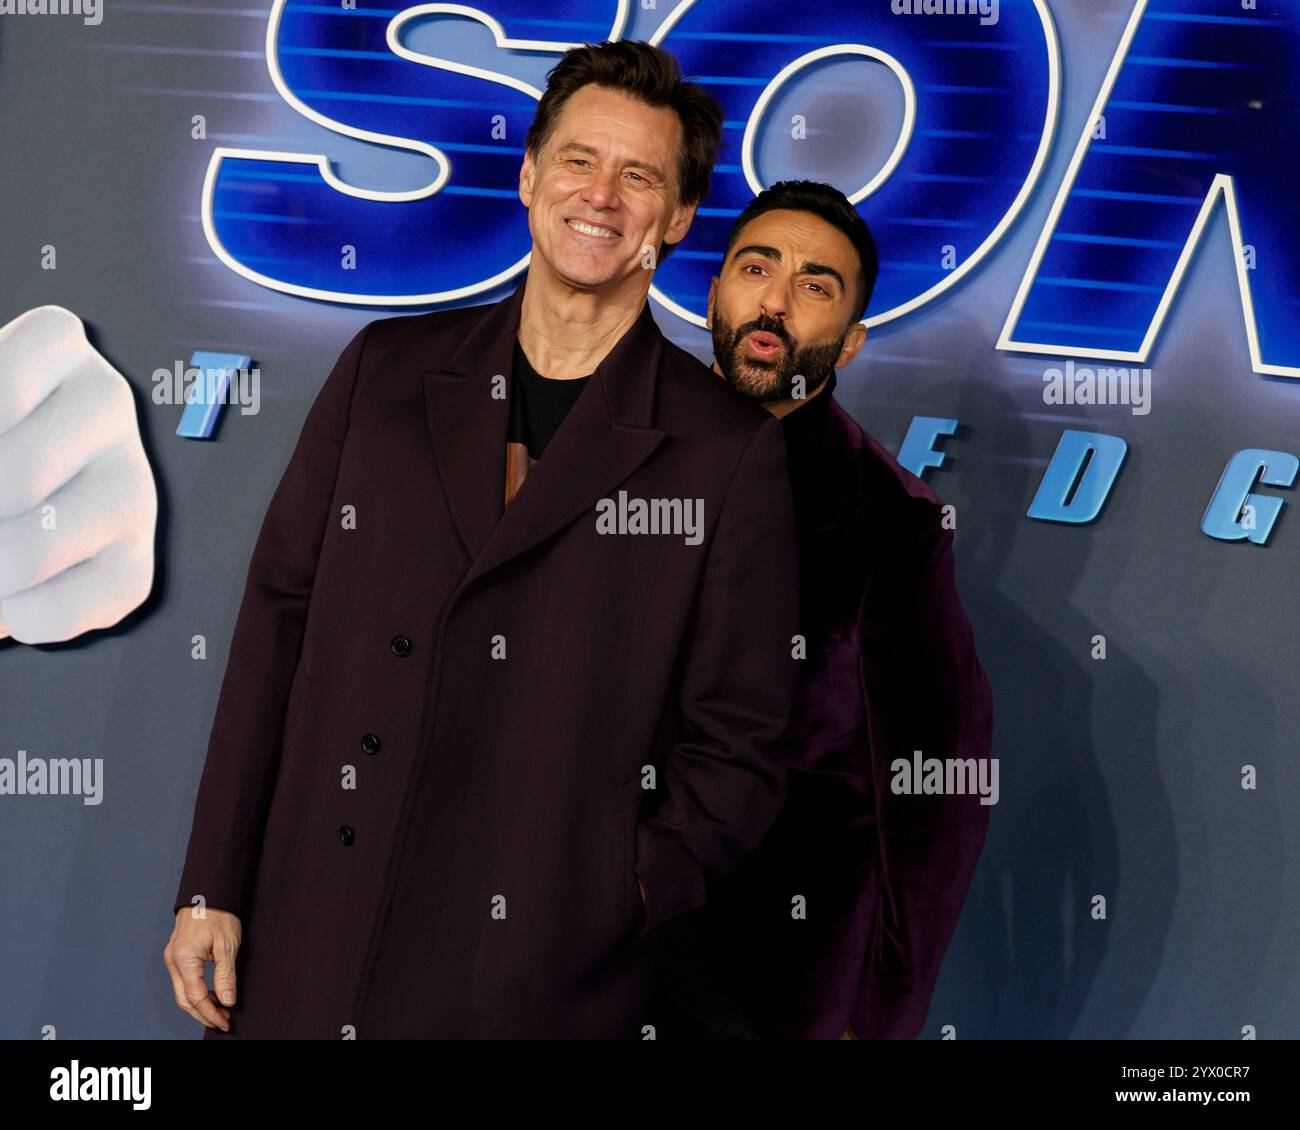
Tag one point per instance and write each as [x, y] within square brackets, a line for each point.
[527, 173]
[680, 224]
[713, 293]
[852, 343]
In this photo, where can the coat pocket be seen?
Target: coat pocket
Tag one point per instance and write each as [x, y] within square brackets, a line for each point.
[630, 795]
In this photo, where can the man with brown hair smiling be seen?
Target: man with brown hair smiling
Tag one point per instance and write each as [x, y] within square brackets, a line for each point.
[471, 750]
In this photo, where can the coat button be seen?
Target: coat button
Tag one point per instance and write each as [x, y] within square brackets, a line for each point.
[347, 835]
[401, 646]
[370, 743]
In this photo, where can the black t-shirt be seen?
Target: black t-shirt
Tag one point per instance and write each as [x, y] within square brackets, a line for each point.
[538, 404]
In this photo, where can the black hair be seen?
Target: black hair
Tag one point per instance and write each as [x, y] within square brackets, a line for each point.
[827, 203]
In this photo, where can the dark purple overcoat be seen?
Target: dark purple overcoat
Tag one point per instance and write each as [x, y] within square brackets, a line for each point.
[423, 793]
[881, 876]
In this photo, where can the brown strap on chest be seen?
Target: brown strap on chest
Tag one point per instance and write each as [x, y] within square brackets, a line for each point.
[518, 464]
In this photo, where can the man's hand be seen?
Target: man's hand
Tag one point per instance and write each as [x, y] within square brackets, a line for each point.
[641, 885]
[195, 942]
[849, 1035]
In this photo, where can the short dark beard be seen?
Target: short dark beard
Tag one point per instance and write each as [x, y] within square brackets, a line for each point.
[766, 381]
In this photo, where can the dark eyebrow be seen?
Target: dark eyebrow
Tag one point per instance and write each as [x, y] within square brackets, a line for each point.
[653, 170]
[775, 255]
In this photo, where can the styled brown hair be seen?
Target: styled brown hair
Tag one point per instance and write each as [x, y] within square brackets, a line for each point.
[651, 75]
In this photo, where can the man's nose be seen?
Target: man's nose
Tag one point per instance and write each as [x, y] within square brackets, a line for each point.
[602, 189]
[773, 311]
[774, 301]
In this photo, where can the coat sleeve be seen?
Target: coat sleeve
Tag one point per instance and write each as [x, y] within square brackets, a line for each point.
[244, 745]
[723, 784]
[923, 689]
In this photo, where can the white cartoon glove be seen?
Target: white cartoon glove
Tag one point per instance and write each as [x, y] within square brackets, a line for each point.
[78, 504]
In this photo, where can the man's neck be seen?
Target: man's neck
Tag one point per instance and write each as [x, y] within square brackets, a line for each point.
[564, 332]
[780, 408]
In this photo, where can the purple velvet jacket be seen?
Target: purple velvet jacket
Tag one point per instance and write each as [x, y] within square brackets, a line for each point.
[890, 669]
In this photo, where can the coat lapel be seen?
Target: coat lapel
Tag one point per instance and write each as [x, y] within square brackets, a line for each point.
[467, 425]
[606, 436]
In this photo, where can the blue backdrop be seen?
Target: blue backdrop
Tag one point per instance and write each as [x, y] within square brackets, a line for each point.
[1078, 185]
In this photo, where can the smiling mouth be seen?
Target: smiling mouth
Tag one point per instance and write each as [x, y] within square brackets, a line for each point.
[593, 230]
